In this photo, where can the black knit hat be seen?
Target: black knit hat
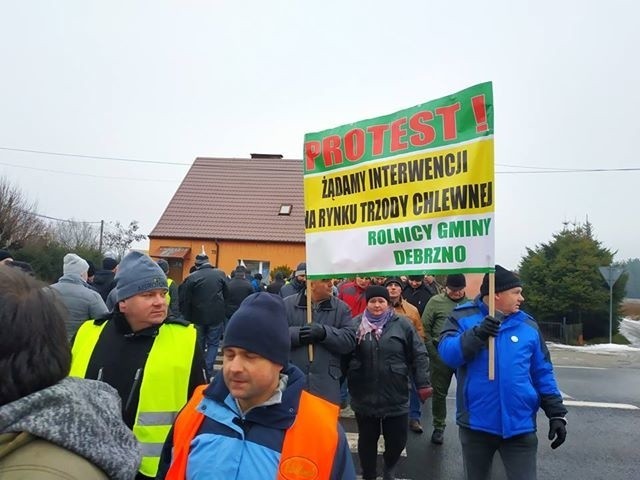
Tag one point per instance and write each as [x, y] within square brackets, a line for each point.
[376, 291]
[397, 280]
[505, 280]
[109, 263]
[260, 326]
[456, 281]
[4, 254]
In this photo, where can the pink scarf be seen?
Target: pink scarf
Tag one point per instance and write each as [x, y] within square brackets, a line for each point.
[373, 325]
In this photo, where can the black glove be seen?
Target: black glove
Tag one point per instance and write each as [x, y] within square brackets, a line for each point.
[312, 333]
[488, 328]
[557, 429]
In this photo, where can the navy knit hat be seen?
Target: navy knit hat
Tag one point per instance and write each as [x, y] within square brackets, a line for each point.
[260, 326]
[376, 291]
[301, 269]
[109, 263]
[505, 280]
[4, 254]
[136, 274]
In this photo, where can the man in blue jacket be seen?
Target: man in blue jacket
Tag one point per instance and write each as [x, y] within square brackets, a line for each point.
[501, 414]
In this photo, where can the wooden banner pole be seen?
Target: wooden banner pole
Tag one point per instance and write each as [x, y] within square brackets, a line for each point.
[309, 320]
[492, 340]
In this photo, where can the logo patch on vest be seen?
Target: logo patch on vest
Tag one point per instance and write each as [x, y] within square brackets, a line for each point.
[298, 468]
[514, 339]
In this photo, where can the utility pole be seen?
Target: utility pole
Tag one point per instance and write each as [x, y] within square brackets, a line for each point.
[101, 234]
[611, 275]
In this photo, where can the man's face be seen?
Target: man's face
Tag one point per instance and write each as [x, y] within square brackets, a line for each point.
[320, 289]
[363, 282]
[509, 301]
[6, 261]
[377, 280]
[145, 309]
[250, 378]
[454, 295]
[414, 283]
[301, 278]
[429, 279]
[395, 291]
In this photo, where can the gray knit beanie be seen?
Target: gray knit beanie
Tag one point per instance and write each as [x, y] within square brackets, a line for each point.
[137, 273]
[72, 263]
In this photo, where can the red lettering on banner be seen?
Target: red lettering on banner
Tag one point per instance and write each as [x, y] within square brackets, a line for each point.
[311, 152]
[398, 134]
[480, 113]
[331, 152]
[449, 126]
[354, 144]
[377, 137]
[425, 133]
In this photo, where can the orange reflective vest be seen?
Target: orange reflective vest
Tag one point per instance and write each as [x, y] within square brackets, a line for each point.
[309, 446]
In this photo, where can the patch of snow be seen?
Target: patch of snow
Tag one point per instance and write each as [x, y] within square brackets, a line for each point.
[599, 348]
[631, 330]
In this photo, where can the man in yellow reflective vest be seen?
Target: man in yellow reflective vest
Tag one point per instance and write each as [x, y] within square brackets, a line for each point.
[151, 358]
[255, 421]
[172, 294]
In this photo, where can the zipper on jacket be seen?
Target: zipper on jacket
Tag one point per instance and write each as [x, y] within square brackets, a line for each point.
[136, 381]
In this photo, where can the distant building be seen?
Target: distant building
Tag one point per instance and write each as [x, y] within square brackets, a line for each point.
[240, 210]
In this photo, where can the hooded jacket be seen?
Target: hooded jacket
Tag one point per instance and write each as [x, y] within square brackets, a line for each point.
[247, 445]
[380, 369]
[64, 432]
[82, 302]
[524, 380]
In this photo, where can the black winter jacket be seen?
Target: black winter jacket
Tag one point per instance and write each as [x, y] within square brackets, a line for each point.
[203, 295]
[323, 374]
[380, 370]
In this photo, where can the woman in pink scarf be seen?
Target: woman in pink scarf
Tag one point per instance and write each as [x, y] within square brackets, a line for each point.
[389, 352]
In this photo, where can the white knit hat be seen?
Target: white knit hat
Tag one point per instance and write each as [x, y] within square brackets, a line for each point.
[74, 264]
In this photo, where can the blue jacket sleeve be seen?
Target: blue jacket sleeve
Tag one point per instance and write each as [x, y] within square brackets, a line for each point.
[343, 468]
[544, 381]
[458, 345]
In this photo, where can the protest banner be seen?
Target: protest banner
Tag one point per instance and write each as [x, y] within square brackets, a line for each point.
[405, 193]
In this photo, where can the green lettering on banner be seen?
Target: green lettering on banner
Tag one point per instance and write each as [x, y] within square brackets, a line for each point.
[430, 255]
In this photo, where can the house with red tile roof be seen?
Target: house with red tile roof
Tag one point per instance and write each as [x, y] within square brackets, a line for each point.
[247, 211]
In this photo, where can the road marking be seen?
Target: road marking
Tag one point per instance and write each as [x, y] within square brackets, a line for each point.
[564, 395]
[352, 440]
[580, 367]
[621, 406]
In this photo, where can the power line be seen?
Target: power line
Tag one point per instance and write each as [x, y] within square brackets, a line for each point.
[99, 157]
[137, 179]
[62, 219]
[35, 214]
[142, 179]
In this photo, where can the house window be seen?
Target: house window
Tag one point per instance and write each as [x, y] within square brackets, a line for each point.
[285, 209]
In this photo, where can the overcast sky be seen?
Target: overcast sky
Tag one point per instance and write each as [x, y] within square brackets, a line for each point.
[170, 81]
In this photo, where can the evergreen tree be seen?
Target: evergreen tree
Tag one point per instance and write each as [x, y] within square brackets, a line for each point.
[562, 280]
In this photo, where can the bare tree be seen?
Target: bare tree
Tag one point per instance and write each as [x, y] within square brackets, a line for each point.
[119, 238]
[74, 234]
[18, 221]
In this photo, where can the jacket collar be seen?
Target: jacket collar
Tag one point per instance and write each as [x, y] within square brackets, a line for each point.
[279, 415]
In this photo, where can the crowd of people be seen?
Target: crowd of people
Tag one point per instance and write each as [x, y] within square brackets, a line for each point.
[112, 373]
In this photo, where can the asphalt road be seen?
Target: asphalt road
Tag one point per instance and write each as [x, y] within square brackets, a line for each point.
[603, 398]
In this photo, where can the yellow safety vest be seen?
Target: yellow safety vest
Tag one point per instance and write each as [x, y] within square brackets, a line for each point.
[164, 388]
[168, 295]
